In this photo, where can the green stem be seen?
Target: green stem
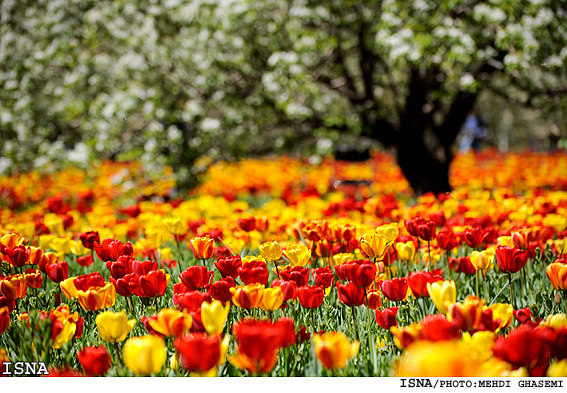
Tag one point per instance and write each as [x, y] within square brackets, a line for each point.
[511, 290]
[429, 256]
[313, 320]
[118, 357]
[354, 324]
[477, 279]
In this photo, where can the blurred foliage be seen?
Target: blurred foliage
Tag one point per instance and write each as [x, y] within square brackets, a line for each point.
[169, 81]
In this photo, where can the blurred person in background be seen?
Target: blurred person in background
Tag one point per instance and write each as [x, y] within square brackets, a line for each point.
[473, 132]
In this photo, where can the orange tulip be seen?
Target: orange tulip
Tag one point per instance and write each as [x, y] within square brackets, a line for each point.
[97, 298]
[14, 287]
[202, 247]
[248, 296]
[170, 322]
[557, 273]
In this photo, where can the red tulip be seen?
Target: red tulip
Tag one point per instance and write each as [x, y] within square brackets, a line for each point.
[198, 352]
[121, 267]
[523, 315]
[446, 239]
[324, 277]
[287, 329]
[95, 360]
[438, 218]
[426, 230]
[196, 277]
[220, 290]
[297, 273]
[462, 265]
[473, 237]
[5, 302]
[524, 347]
[228, 266]
[510, 260]
[557, 341]
[191, 300]
[89, 239]
[395, 289]
[254, 272]
[139, 267]
[258, 344]
[85, 261]
[57, 271]
[386, 318]
[17, 256]
[350, 295]
[152, 284]
[130, 211]
[411, 225]
[125, 285]
[438, 328]
[311, 297]
[247, 224]
[418, 281]
[363, 273]
[343, 271]
[86, 281]
[289, 288]
[111, 250]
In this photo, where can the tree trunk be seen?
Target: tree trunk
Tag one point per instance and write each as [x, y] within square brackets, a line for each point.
[423, 171]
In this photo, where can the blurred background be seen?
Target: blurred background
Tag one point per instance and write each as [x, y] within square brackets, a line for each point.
[187, 83]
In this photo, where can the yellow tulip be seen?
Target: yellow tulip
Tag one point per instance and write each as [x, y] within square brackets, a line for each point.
[406, 250]
[175, 226]
[251, 258]
[437, 359]
[481, 260]
[505, 241]
[479, 345]
[443, 294]
[114, 327]
[213, 316]
[298, 255]
[145, 355]
[374, 245]
[271, 251]
[339, 259]
[558, 369]
[333, 349]
[77, 248]
[68, 288]
[272, 299]
[66, 334]
[389, 232]
[504, 312]
[62, 245]
[55, 224]
[555, 321]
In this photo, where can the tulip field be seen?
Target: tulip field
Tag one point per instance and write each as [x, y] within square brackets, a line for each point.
[275, 267]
